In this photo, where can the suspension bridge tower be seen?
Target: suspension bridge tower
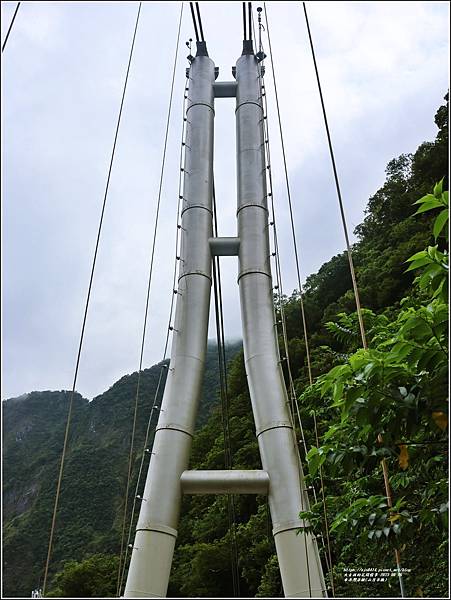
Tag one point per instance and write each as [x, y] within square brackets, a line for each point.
[168, 477]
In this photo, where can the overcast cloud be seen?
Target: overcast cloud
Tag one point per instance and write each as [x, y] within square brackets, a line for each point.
[384, 69]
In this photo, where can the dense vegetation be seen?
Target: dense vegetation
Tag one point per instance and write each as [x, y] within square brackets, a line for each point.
[395, 389]
[91, 501]
[389, 402]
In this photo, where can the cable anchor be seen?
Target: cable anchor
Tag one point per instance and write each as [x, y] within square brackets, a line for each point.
[260, 54]
[190, 57]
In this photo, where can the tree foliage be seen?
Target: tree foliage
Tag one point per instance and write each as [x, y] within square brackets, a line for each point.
[389, 402]
[91, 504]
[94, 577]
[365, 394]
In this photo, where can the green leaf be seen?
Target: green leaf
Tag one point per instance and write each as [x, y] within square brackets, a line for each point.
[429, 205]
[400, 352]
[438, 188]
[417, 264]
[313, 464]
[427, 198]
[440, 222]
[312, 452]
[434, 253]
[417, 255]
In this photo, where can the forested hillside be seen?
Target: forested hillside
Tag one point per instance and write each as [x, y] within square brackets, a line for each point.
[402, 396]
[95, 470]
[388, 402]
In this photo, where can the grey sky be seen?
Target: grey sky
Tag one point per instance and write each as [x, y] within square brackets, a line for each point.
[384, 68]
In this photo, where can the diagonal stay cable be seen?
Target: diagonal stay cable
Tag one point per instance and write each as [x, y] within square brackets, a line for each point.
[304, 498]
[353, 276]
[10, 26]
[201, 31]
[328, 555]
[146, 310]
[290, 204]
[337, 185]
[66, 435]
[193, 16]
[163, 363]
[219, 318]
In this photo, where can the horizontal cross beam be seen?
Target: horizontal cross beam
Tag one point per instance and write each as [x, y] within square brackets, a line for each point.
[224, 89]
[225, 482]
[224, 246]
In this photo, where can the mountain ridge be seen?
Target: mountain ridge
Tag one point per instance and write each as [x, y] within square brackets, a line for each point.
[33, 432]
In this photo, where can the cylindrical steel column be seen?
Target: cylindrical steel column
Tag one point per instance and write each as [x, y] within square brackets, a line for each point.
[156, 530]
[298, 555]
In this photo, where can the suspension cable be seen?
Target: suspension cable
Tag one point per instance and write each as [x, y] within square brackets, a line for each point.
[193, 16]
[296, 253]
[164, 365]
[294, 403]
[146, 309]
[351, 267]
[200, 23]
[353, 276]
[328, 555]
[66, 435]
[326, 519]
[337, 186]
[278, 266]
[248, 22]
[222, 362]
[10, 26]
[304, 497]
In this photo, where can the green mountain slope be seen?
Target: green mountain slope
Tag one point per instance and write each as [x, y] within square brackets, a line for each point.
[95, 472]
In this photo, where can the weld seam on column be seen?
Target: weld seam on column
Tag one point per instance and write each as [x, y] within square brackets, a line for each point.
[190, 356]
[278, 425]
[174, 427]
[248, 102]
[195, 273]
[253, 272]
[196, 206]
[251, 205]
[289, 526]
[201, 104]
[160, 529]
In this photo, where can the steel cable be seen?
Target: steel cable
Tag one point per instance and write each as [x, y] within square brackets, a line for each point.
[285, 341]
[164, 366]
[66, 434]
[202, 39]
[279, 285]
[337, 186]
[351, 267]
[219, 318]
[296, 253]
[193, 16]
[328, 555]
[10, 27]
[146, 309]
